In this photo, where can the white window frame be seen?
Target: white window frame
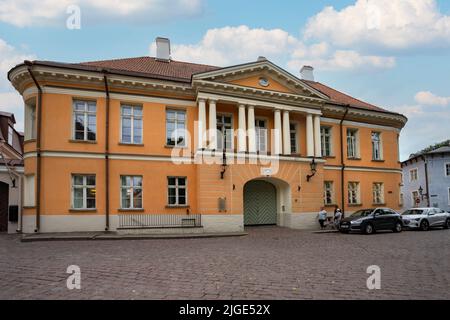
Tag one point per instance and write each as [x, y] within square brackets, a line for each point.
[132, 117]
[355, 143]
[10, 135]
[176, 121]
[295, 131]
[380, 146]
[446, 172]
[414, 198]
[177, 187]
[132, 187]
[330, 189]
[381, 192]
[258, 130]
[357, 193]
[417, 174]
[84, 186]
[322, 140]
[219, 134]
[29, 190]
[86, 113]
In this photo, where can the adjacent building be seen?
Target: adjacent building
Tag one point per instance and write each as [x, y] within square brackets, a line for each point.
[426, 179]
[11, 172]
[150, 142]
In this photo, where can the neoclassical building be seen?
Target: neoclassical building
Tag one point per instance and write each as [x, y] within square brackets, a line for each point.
[150, 144]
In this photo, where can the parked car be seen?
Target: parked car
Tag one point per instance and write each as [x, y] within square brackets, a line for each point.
[369, 221]
[426, 218]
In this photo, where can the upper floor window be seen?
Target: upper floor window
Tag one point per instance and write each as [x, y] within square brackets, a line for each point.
[176, 128]
[352, 143]
[177, 191]
[325, 138]
[85, 120]
[131, 120]
[293, 137]
[10, 135]
[328, 194]
[83, 191]
[131, 192]
[353, 193]
[447, 169]
[225, 131]
[261, 135]
[378, 193]
[376, 146]
[413, 175]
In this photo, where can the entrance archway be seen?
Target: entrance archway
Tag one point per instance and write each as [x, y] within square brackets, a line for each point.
[260, 203]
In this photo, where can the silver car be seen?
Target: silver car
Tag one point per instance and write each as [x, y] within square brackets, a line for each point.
[426, 218]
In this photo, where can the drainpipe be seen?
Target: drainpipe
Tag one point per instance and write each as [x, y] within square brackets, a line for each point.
[105, 78]
[38, 147]
[426, 181]
[342, 160]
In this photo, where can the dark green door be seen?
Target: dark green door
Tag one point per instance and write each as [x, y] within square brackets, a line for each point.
[260, 203]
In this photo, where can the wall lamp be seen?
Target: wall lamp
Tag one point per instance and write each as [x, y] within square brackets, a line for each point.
[313, 166]
[421, 193]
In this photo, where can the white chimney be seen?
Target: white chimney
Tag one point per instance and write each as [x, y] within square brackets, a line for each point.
[162, 49]
[307, 73]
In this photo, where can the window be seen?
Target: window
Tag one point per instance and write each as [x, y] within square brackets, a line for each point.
[413, 174]
[225, 131]
[131, 121]
[415, 198]
[10, 135]
[325, 138]
[378, 193]
[447, 169]
[29, 194]
[352, 143]
[85, 120]
[131, 192]
[353, 193]
[176, 128]
[83, 191]
[261, 135]
[376, 146]
[177, 193]
[328, 194]
[293, 137]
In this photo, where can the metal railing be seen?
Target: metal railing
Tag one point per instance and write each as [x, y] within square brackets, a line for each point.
[160, 220]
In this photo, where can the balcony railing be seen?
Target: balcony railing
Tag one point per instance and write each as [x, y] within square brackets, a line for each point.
[159, 221]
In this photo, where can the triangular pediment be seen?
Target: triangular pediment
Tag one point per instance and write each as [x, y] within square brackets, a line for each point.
[260, 75]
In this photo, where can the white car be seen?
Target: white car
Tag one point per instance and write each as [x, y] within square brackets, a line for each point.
[426, 218]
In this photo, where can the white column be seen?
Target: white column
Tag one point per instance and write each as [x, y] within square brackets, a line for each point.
[317, 142]
[286, 133]
[251, 130]
[277, 139]
[201, 124]
[212, 125]
[242, 144]
[309, 136]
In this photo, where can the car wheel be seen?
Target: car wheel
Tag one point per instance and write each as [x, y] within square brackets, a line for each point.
[368, 229]
[447, 224]
[424, 225]
[398, 227]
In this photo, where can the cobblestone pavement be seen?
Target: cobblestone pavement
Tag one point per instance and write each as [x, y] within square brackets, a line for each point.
[269, 263]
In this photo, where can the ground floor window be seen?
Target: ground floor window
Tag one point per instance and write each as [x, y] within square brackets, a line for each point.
[378, 193]
[83, 191]
[353, 193]
[131, 192]
[415, 198]
[328, 192]
[177, 191]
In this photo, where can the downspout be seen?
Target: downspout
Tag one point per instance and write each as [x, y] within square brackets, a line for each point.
[342, 161]
[38, 148]
[426, 181]
[105, 78]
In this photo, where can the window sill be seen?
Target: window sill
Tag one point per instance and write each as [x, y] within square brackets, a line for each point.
[178, 207]
[82, 210]
[131, 144]
[355, 205]
[83, 141]
[356, 159]
[375, 160]
[130, 210]
[329, 157]
[173, 147]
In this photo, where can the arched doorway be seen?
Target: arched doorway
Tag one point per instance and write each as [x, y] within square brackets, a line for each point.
[4, 205]
[260, 203]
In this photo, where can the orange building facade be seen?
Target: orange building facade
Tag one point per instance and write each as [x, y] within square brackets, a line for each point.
[126, 145]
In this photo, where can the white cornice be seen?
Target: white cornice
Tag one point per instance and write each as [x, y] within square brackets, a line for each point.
[359, 124]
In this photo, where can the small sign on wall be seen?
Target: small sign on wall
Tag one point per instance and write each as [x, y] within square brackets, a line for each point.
[266, 171]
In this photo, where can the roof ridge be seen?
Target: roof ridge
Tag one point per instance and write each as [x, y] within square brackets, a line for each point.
[149, 57]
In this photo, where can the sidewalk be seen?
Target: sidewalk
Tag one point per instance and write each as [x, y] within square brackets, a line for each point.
[73, 236]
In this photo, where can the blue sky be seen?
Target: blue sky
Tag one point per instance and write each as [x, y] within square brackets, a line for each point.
[391, 53]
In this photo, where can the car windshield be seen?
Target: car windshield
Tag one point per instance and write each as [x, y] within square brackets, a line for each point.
[413, 212]
[362, 213]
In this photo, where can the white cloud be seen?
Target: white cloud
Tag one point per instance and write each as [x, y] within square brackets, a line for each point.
[23, 13]
[428, 98]
[393, 24]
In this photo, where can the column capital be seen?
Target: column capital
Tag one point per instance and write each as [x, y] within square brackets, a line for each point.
[212, 100]
[201, 100]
